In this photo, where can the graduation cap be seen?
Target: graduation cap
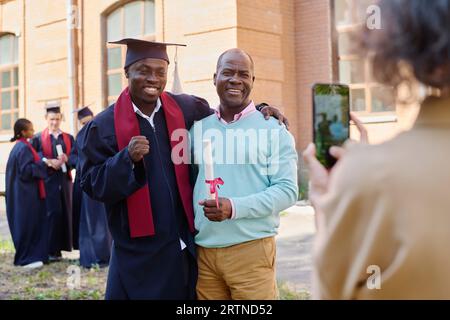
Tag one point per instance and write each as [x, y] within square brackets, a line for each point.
[83, 112]
[53, 107]
[141, 49]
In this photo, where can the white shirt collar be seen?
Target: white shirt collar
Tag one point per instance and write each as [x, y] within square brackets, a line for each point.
[152, 116]
[56, 134]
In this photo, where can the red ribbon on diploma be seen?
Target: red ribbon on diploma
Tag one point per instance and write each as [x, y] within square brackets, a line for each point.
[213, 186]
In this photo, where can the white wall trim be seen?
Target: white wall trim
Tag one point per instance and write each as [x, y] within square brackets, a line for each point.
[379, 119]
[5, 138]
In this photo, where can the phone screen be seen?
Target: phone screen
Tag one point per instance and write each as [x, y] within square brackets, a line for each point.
[331, 109]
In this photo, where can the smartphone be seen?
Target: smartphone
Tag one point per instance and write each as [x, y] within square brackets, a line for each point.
[331, 119]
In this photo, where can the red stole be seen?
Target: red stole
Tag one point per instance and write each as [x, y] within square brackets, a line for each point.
[36, 157]
[47, 148]
[140, 216]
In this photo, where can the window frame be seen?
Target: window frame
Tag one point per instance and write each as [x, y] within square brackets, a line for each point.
[13, 86]
[369, 83]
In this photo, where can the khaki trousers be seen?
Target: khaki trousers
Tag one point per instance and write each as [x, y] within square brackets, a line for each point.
[245, 271]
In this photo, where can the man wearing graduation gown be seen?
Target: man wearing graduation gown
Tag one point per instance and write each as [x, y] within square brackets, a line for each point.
[91, 231]
[58, 184]
[125, 157]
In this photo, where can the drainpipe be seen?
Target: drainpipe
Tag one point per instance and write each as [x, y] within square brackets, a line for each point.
[72, 24]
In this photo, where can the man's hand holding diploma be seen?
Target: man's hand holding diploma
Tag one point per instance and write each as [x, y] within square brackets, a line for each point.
[217, 214]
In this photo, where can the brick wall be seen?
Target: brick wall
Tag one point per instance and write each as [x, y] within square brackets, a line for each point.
[313, 53]
[266, 29]
[290, 41]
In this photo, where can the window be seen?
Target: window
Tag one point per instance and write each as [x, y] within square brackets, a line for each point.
[367, 96]
[133, 20]
[9, 82]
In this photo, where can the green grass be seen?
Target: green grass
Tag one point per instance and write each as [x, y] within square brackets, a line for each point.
[288, 293]
[48, 282]
[283, 214]
[6, 246]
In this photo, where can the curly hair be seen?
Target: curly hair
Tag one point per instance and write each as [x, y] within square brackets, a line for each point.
[414, 33]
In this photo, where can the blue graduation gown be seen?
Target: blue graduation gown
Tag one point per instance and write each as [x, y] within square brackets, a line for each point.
[59, 197]
[26, 212]
[90, 227]
[151, 267]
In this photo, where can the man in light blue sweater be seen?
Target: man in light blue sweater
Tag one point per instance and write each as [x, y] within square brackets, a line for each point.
[257, 161]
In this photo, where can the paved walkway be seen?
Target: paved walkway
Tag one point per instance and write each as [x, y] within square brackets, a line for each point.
[294, 246]
[4, 230]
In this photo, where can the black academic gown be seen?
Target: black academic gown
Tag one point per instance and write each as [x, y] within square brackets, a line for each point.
[77, 195]
[90, 222]
[152, 267]
[26, 212]
[59, 197]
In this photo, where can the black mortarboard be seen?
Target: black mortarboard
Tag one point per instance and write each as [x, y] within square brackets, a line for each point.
[141, 49]
[53, 107]
[83, 112]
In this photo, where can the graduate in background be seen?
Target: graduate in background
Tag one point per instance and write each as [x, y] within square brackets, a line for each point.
[58, 183]
[84, 115]
[125, 159]
[25, 199]
[90, 222]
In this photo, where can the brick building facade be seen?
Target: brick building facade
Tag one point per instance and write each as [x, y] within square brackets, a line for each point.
[294, 43]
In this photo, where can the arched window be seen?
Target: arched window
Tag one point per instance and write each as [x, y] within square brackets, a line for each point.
[9, 81]
[135, 19]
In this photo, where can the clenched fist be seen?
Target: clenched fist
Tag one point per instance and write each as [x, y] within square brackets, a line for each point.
[138, 148]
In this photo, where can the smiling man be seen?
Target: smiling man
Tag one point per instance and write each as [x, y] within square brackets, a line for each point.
[125, 158]
[236, 234]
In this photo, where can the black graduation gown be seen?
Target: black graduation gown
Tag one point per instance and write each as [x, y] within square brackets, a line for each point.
[148, 267]
[77, 195]
[26, 212]
[95, 239]
[91, 227]
[59, 197]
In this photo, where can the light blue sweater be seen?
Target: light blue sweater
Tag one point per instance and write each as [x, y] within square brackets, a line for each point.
[257, 160]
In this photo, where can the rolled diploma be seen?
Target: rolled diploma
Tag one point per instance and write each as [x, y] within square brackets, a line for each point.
[209, 169]
[59, 151]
